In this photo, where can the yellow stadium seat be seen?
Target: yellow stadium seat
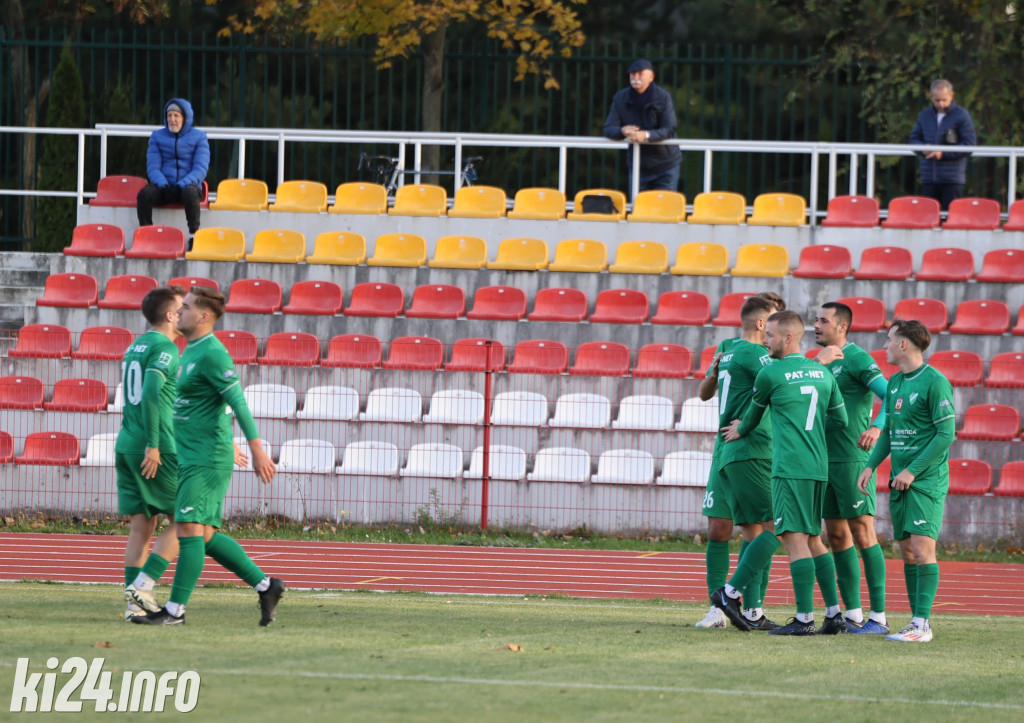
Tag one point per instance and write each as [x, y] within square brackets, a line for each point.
[421, 199]
[459, 252]
[618, 200]
[761, 260]
[538, 203]
[479, 202]
[399, 249]
[217, 244]
[360, 198]
[278, 246]
[779, 209]
[580, 254]
[300, 197]
[658, 207]
[338, 248]
[719, 207]
[240, 194]
[701, 259]
[640, 257]
[521, 254]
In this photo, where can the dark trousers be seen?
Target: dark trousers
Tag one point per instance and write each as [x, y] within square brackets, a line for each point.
[943, 192]
[156, 196]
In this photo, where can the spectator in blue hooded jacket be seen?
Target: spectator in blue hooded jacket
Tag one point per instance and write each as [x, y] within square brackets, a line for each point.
[176, 163]
[943, 173]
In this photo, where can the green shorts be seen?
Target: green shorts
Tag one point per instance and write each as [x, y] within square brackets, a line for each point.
[137, 495]
[748, 486]
[201, 493]
[916, 512]
[716, 503]
[797, 505]
[843, 500]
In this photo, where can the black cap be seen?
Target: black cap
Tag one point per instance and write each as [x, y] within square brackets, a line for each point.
[639, 65]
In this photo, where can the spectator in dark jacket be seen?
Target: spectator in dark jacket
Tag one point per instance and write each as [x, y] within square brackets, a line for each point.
[943, 173]
[176, 163]
[643, 113]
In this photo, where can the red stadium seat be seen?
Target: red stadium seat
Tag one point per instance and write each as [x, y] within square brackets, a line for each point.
[969, 477]
[291, 349]
[1018, 328]
[96, 239]
[687, 308]
[912, 212]
[51, 448]
[498, 302]
[812, 352]
[885, 262]
[882, 474]
[204, 198]
[991, 421]
[620, 306]
[729, 309]
[930, 312]
[414, 352]
[1011, 480]
[1015, 222]
[126, 292]
[254, 296]
[1002, 265]
[973, 213]
[471, 355]
[76, 291]
[601, 358]
[157, 242]
[21, 393]
[318, 298]
[103, 342]
[852, 211]
[42, 341]
[353, 350]
[961, 368]
[885, 367]
[868, 312]
[118, 191]
[1006, 369]
[557, 304]
[437, 301]
[78, 395]
[539, 356]
[824, 261]
[187, 282]
[946, 264]
[6, 447]
[706, 355]
[981, 316]
[663, 360]
[376, 299]
[241, 345]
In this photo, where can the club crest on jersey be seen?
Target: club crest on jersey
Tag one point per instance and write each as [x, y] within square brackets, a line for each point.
[229, 373]
[913, 398]
[899, 403]
[836, 370]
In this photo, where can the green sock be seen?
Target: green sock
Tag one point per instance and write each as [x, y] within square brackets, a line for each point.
[910, 575]
[766, 573]
[191, 555]
[874, 573]
[927, 587]
[716, 559]
[743, 548]
[825, 572]
[230, 554]
[802, 572]
[156, 566]
[130, 573]
[760, 549]
[848, 572]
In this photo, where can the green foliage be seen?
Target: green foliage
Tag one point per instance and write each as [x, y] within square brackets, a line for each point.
[113, 104]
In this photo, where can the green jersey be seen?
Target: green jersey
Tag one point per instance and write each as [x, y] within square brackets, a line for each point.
[804, 399]
[737, 369]
[854, 373]
[148, 375]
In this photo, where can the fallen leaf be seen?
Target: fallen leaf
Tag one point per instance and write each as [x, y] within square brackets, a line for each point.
[103, 644]
[513, 647]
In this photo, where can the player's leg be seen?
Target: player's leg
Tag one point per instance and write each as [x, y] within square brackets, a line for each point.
[923, 515]
[863, 530]
[159, 493]
[797, 519]
[716, 556]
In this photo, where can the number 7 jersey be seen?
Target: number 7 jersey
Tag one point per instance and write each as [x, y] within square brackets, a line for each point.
[151, 353]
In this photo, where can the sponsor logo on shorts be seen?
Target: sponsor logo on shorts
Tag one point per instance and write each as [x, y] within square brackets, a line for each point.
[185, 510]
[857, 504]
[778, 520]
[919, 522]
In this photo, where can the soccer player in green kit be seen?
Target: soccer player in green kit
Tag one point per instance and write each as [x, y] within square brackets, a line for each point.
[804, 400]
[849, 513]
[919, 429]
[206, 454]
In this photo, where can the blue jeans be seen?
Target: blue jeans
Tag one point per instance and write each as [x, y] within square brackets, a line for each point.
[664, 181]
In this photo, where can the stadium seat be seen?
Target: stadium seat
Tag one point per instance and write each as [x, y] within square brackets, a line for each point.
[539, 356]
[981, 214]
[455, 406]
[620, 306]
[558, 304]
[946, 264]
[393, 404]
[78, 395]
[278, 246]
[318, 298]
[729, 308]
[685, 469]
[99, 450]
[187, 282]
[376, 459]
[851, 212]
[479, 202]
[912, 212]
[241, 194]
[1002, 265]
[437, 301]
[117, 406]
[126, 292]
[300, 197]
[120, 191]
[420, 199]
[999, 422]
[433, 459]
[560, 464]
[969, 477]
[338, 248]
[376, 299]
[471, 355]
[330, 403]
[271, 401]
[459, 252]
[157, 242]
[50, 448]
[399, 249]
[624, 466]
[663, 360]
[687, 308]
[1015, 221]
[601, 358]
[868, 312]
[75, 291]
[1011, 480]
[1005, 369]
[930, 312]
[583, 255]
[885, 262]
[96, 239]
[254, 296]
[582, 410]
[353, 350]
[887, 369]
[579, 213]
[499, 303]
[42, 341]
[538, 203]
[961, 368]
[1018, 328]
[824, 261]
[698, 416]
[241, 345]
[291, 349]
[520, 254]
[414, 352]
[981, 316]
[645, 412]
[658, 207]
[640, 257]
[718, 207]
[217, 244]
[778, 209]
[307, 456]
[761, 260]
[360, 198]
[20, 392]
[103, 342]
[520, 409]
[701, 259]
[503, 462]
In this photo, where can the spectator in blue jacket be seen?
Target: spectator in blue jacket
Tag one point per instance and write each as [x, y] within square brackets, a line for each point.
[176, 163]
[643, 113]
[943, 173]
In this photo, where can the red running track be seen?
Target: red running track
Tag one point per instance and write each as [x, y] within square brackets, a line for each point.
[979, 588]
